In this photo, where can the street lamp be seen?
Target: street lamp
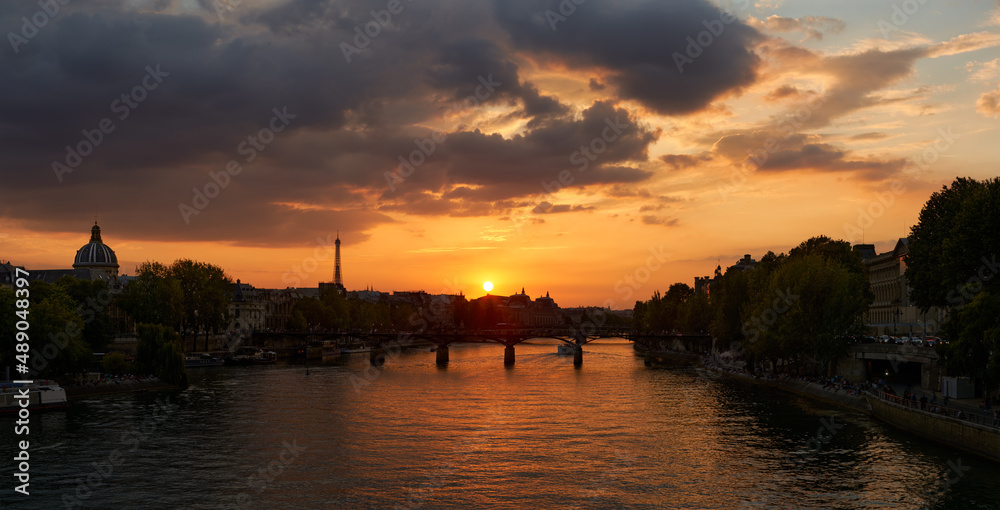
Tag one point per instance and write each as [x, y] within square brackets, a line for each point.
[195, 333]
[895, 316]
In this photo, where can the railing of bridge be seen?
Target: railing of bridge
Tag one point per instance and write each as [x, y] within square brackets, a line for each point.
[984, 418]
[533, 331]
[566, 331]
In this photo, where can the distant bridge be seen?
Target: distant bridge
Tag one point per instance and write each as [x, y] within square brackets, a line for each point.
[508, 337]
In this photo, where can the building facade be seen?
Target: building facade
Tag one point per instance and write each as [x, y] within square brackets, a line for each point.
[517, 310]
[8, 274]
[247, 310]
[892, 312]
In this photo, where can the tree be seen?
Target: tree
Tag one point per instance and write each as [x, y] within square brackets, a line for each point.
[728, 297]
[839, 251]
[662, 313]
[115, 364]
[400, 316]
[975, 350]
[8, 328]
[811, 311]
[207, 292]
[676, 295]
[952, 263]
[314, 313]
[159, 352]
[298, 322]
[955, 244]
[55, 332]
[695, 314]
[93, 301]
[154, 296]
[338, 309]
[639, 316]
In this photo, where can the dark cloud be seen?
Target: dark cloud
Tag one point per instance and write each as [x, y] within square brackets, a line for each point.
[825, 157]
[622, 191]
[490, 167]
[786, 92]
[550, 208]
[682, 161]
[873, 135]
[634, 43]
[774, 150]
[220, 83]
[649, 219]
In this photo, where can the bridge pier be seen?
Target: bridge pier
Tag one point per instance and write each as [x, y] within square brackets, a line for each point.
[377, 356]
[578, 355]
[442, 355]
[508, 356]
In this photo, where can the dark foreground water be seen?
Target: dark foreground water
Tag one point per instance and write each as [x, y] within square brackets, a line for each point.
[613, 434]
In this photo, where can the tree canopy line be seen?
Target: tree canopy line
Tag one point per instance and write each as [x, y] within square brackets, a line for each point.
[802, 310]
[71, 319]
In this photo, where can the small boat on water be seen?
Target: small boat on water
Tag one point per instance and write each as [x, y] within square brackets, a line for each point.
[203, 359]
[356, 348]
[261, 357]
[330, 349]
[42, 394]
[566, 349]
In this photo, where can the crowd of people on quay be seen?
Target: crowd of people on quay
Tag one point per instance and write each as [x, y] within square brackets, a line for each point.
[932, 405]
[836, 384]
[110, 380]
[731, 365]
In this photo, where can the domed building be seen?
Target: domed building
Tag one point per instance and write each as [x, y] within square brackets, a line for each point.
[97, 255]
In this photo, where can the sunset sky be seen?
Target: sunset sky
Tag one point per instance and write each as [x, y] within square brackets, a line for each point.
[837, 101]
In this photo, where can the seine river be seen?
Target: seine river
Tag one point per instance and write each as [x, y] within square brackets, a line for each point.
[542, 434]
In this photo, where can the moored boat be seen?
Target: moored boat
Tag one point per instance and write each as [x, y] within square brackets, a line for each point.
[260, 357]
[42, 394]
[202, 359]
[566, 349]
[356, 348]
[330, 349]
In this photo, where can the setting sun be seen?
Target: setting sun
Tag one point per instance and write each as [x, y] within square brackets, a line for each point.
[488, 286]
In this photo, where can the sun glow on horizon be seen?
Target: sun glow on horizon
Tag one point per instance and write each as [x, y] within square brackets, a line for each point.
[488, 286]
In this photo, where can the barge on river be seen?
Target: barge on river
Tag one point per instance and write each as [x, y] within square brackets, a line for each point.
[42, 394]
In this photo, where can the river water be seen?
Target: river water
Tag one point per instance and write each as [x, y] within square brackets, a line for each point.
[541, 434]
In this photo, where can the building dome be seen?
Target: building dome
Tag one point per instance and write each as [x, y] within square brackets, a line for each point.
[96, 254]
